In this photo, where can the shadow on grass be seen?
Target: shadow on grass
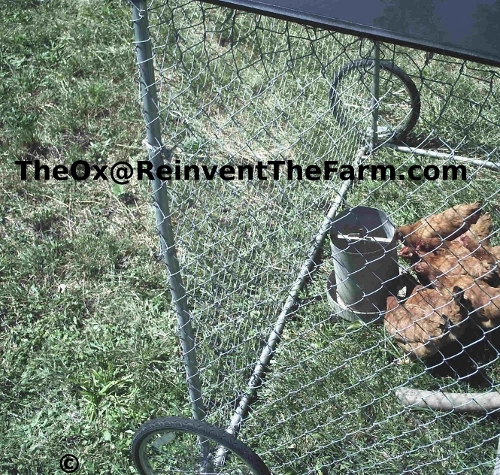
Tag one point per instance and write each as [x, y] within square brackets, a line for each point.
[468, 358]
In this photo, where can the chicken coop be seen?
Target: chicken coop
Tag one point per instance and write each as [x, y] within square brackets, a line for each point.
[269, 126]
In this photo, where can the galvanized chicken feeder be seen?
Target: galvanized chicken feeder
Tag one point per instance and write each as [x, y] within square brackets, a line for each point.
[365, 263]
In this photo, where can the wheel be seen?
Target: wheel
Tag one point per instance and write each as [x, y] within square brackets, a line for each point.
[351, 100]
[178, 445]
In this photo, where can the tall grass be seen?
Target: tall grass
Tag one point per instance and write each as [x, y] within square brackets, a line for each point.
[89, 340]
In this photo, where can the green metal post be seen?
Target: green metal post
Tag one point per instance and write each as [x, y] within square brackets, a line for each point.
[144, 53]
[375, 92]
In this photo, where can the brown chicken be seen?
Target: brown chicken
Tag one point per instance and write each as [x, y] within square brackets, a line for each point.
[409, 253]
[425, 323]
[495, 252]
[478, 232]
[477, 240]
[457, 249]
[448, 225]
[438, 264]
[466, 258]
[481, 299]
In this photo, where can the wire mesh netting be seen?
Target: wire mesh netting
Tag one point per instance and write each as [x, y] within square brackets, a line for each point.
[238, 89]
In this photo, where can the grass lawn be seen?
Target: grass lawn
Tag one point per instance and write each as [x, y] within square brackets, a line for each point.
[88, 336]
[87, 342]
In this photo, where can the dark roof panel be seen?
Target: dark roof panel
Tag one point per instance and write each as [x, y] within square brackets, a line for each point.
[468, 29]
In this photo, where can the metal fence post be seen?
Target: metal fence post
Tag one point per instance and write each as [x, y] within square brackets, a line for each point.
[375, 93]
[156, 151]
[496, 470]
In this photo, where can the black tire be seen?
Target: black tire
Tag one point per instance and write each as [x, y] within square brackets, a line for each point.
[355, 81]
[191, 432]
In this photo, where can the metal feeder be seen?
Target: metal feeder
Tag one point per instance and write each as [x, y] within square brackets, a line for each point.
[365, 263]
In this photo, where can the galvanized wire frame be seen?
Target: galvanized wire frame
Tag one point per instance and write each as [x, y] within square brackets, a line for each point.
[162, 204]
[191, 46]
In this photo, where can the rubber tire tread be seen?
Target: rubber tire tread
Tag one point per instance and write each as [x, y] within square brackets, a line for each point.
[387, 66]
[196, 427]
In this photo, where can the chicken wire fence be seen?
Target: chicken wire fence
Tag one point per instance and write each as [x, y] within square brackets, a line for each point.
[249, 258]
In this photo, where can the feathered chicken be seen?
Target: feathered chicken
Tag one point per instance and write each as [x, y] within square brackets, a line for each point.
[478, 232]
[443, 262]
[453, 258]
[477, 240]
[482, 300]
[495, 252]
[409, 253]
[426, 322]
[427, 248]
[448, 225]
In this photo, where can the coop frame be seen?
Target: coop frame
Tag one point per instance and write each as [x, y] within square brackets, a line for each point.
[158, 154]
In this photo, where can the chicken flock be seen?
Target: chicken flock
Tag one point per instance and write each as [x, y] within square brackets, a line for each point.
[459, 273]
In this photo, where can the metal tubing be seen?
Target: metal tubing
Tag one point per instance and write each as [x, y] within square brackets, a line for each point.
[306, 272]
[496, 470]
[144, 53]
[375, 92]
[444, 401]
[430, 153]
